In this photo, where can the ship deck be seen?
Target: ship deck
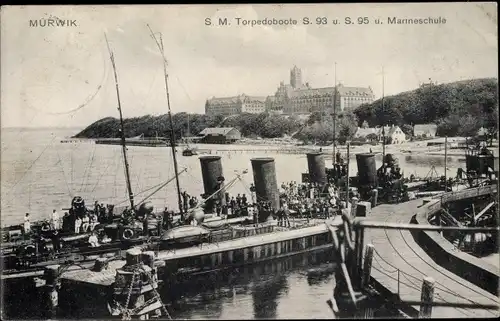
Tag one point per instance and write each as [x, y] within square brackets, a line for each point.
[400, 265]
[107, 277]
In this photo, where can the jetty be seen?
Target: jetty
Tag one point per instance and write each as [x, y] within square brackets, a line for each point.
[400, 265]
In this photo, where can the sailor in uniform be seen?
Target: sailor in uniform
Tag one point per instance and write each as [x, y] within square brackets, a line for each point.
[94, 242]
[27, 224]
[55, 220]
[78, 224]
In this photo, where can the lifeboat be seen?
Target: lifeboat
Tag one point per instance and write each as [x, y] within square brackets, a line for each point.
[186, 234]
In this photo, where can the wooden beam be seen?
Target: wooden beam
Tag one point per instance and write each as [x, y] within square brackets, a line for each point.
[448, 217]
[483, 211]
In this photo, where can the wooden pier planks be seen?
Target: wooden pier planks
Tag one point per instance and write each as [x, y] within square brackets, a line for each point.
[397, 250]
[104, 278]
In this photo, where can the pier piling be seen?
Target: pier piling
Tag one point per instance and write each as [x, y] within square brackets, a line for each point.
[363, 209]
[135, 288]
[133, 256]
[100, 264]
[264, 175]
[367, 265]
[148, 257]
[51, 275]
[427, 298]
[211, 171]
[374, 197]
[354, 207]
[316, 165]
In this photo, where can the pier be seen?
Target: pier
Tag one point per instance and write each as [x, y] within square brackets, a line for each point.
[400, 266]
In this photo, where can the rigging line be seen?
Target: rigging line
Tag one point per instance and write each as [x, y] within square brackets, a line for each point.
[464, 285]
[105, 170]
[89, 162]
[64, 174]
[258, 197]
[90, 166]
[197, 179]
[225, 187]
[33, 163]
[183, 88]
[141, 192]
[163, 185]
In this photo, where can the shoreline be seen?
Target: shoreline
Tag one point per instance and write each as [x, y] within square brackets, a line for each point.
[288, 146]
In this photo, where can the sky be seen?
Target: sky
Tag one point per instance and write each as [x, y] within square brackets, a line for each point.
[62, 76]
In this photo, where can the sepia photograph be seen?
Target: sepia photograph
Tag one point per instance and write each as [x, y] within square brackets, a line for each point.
[249, 161]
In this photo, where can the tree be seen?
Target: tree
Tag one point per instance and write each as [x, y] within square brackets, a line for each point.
[445, 104]
[407, 129]
[372, 137]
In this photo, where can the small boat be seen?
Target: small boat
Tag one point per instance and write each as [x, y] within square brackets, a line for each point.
[186, 234]
[189, 152]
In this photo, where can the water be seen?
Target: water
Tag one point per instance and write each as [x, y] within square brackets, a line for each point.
[273, 290]
[278, 289]
[40, 174]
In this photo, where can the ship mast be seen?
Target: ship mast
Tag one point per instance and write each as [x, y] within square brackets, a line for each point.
[172, 133]
[334, 115]
[383, 125]
[122, 129]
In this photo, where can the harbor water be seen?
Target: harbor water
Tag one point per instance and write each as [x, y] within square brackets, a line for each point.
[40, 174]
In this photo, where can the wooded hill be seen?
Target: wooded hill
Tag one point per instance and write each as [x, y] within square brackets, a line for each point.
[459, 109]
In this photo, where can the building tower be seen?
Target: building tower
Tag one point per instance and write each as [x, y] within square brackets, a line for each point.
[296, 77]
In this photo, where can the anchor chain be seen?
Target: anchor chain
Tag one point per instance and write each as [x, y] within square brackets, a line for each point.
[126, 312]
[157, 296]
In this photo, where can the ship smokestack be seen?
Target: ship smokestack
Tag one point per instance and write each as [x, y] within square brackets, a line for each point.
[367, 172]
[316, 165]
[211, 171]
[266, 186]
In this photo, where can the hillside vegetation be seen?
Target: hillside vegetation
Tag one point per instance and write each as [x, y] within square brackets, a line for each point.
[251, 125]
[459, 109]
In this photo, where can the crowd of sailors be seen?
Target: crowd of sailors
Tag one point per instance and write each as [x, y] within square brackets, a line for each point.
[300, 200]
[304, 199]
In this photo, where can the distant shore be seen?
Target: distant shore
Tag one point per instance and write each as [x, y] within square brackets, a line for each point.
[289, 145]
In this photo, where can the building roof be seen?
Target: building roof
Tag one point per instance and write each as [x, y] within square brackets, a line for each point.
[311, 92]
[389, 130]
[363, 132]
[424, 128]
[261, 99]
[216, 130]
[227, 100]
[355, 91]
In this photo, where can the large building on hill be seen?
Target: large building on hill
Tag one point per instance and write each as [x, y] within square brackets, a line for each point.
[294, 98]
[228, 106]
